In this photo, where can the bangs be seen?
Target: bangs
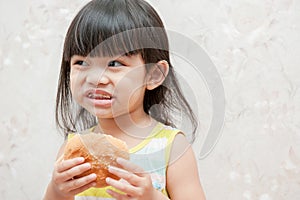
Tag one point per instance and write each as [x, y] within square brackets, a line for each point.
[93, 32]
[110, 28]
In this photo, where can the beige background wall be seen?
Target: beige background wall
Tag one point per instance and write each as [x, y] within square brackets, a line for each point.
[255, 46]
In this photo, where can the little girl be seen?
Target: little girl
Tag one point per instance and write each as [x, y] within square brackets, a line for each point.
[116, 78]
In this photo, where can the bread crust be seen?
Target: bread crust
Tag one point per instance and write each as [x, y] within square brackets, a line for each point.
[100, 150]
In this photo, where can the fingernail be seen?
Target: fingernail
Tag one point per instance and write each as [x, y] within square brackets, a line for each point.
[80, 159]
[112, 168]
[116, 169]
[120, 160]
[88, 165]
[93, 176]
[107, 180]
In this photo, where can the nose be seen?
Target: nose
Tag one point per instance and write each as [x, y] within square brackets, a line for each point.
[97, 77]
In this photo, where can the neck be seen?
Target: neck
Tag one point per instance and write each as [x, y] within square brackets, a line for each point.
[130, 124]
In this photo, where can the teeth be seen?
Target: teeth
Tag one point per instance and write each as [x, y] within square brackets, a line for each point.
[99, 96]
[104, 96]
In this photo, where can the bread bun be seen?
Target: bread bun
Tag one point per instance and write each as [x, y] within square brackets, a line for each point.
[99, 150]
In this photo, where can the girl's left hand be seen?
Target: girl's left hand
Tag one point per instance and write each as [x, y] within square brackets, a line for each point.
[137, 184]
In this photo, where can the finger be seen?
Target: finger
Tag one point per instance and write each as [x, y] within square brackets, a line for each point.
[76, 185]
[77, 170]
[116, 195]
[64, 165]
[123, 186]
[130, 177]
[83, 188]
[129, 166]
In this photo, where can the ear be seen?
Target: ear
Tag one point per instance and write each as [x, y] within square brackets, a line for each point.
[157, 74]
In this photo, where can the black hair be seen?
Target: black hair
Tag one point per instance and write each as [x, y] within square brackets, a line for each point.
[131, 27]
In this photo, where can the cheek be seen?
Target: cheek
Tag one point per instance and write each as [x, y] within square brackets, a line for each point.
[131, 91]
[131, 83]
[72, 83]
[75, 82]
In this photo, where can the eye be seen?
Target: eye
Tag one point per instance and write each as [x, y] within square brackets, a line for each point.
[115, 64]
[81, 63]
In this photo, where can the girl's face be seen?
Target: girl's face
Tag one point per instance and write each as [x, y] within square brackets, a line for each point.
[109, 86]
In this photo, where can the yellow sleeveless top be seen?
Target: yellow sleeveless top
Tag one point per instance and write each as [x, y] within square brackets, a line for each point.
[152, 154]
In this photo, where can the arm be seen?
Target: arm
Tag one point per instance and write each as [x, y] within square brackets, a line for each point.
[62, 185]
[182, 170]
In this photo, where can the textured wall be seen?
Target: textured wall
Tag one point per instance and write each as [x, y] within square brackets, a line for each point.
[254, 45]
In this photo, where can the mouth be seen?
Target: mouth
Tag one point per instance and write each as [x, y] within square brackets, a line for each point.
[96, 96]
[100, 98]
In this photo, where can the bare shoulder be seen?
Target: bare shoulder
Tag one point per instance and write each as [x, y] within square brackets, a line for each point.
[183, 170]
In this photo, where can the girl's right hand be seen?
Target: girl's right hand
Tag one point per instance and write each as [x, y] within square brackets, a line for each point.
[63, 183]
